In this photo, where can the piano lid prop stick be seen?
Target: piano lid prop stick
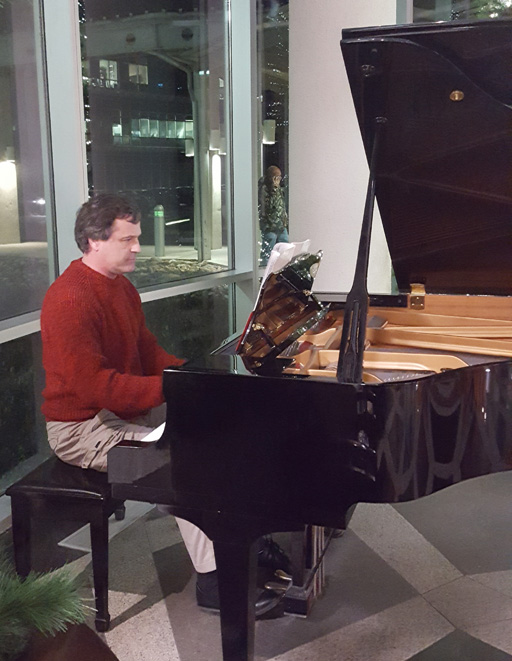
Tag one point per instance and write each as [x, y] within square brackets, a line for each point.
[350, 363]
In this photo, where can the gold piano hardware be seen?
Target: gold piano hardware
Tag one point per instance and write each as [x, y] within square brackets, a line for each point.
[258, 327]
[306, 292]
[417, 297]
[456, 95]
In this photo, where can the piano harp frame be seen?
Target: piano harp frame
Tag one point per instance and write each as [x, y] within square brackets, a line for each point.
[432, 339]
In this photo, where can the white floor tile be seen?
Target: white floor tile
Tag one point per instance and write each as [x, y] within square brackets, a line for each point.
[497, 634]
[120, 602]
[467, 603]
[398, 543]
[162, 532]
[147, 636]
[394, 634]
[497, 580]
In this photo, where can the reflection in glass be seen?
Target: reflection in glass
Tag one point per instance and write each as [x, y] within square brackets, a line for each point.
[453, 10]
[272, 45]
[191, 325]
[21, 420]
[24, 199]
[169, 61]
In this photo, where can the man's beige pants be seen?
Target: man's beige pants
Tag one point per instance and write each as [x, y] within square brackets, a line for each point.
[86, 444]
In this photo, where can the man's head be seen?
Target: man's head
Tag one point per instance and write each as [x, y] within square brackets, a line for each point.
[107, 231]
[95, 218]
[273, 176]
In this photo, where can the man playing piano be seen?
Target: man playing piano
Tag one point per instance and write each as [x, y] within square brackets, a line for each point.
[104, 367]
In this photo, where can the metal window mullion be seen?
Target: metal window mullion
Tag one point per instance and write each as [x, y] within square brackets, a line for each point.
[67, 121]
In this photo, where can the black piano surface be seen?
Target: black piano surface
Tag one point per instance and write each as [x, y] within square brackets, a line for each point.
[245, 454]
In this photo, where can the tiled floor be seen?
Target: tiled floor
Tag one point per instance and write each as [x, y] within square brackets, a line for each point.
[429, 580]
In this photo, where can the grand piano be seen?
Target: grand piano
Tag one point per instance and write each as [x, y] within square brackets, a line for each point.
[327, 403]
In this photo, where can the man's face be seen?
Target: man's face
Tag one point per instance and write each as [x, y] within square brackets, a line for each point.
[276, 179]
[117, 254]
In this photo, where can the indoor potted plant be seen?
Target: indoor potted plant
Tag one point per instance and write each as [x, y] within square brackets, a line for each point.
[46, 603]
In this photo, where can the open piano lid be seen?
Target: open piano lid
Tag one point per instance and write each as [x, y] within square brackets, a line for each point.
[443, 168]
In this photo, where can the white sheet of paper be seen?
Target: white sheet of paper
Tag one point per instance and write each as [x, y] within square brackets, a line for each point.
[154, 435]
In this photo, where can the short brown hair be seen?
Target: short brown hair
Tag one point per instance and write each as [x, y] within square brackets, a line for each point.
[271, 172]
[95, 217]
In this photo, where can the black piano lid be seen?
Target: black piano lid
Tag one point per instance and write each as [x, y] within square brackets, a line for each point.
[444, 168]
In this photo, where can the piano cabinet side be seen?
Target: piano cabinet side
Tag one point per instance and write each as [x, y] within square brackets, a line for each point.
[488, 307]
[434, 432]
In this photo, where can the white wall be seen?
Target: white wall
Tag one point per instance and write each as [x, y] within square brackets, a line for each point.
[328, 169]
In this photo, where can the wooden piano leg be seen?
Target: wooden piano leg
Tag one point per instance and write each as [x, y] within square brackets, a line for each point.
[236, 570]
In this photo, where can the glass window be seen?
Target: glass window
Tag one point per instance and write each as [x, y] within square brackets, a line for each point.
[22, 426]
[24, 183]
[117, 132]
[448, 10]
[135, 128]
[272, 49]
[154, 128]
[171, 129]
[192, 325]
[138, 73]
[108, 72]
[180, 130]
[144, 128]
[172, 98]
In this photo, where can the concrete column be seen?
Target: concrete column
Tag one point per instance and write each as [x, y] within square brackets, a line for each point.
[328, 169]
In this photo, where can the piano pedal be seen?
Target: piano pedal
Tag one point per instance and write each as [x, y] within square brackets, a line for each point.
[275, 586]
[279, 573]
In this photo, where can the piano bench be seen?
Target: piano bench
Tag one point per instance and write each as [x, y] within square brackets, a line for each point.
[56, 490]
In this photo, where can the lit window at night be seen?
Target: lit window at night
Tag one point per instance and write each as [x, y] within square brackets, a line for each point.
[138, 73]
[108, 72]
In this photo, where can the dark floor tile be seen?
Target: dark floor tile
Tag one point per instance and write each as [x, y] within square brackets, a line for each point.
[460, 646]
[174, 568]
[46, 553]
[359, 584]
[469, 523]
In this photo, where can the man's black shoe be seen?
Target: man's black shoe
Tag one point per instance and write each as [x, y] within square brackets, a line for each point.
[271, 555]
[207, 595]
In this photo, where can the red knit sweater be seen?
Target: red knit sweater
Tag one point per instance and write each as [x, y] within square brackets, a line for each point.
[97, 351]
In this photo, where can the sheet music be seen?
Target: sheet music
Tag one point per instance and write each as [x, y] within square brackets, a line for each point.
[154, 435]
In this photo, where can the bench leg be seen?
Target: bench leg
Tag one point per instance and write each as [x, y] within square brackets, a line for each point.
[21, 514]
[99, 547]
[120, 511]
